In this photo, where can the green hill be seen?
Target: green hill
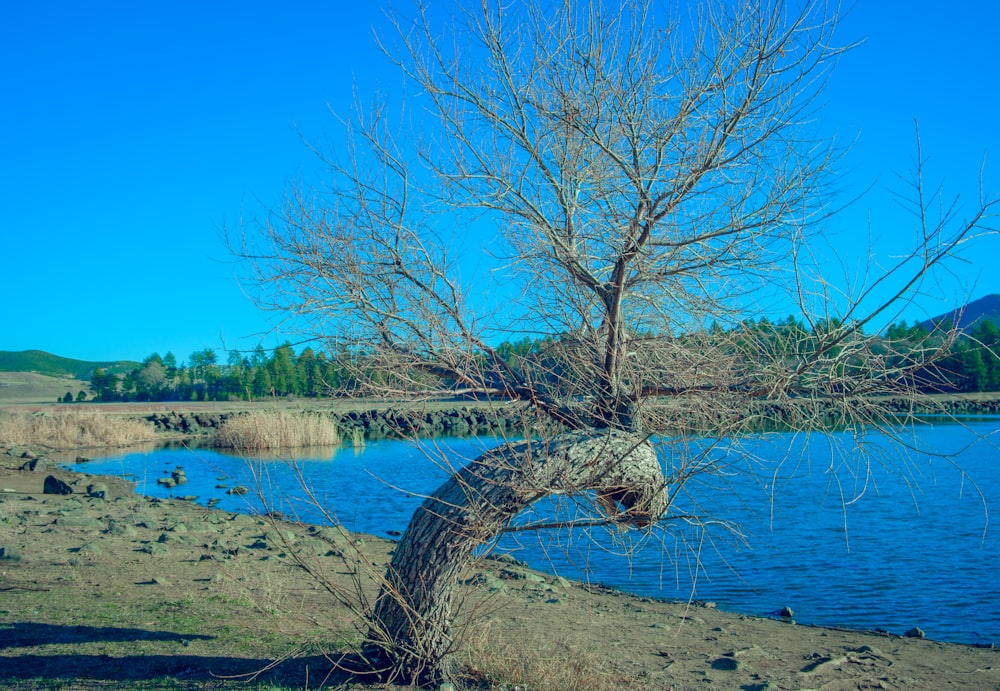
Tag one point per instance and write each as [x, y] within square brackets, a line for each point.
[55, 366]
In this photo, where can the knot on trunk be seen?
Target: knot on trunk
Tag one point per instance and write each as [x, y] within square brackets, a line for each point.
[620, 467]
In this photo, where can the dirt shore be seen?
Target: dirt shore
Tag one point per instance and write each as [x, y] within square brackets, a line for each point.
[101, 588]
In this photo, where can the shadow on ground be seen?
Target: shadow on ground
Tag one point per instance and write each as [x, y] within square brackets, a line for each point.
[29, 634]
[172, 671]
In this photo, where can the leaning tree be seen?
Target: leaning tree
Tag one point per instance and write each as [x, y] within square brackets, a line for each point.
[623, 183]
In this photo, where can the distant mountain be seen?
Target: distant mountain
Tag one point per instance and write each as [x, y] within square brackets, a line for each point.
[984, 309]
[55, 366]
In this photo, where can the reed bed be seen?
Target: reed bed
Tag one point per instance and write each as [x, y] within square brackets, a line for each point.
[263, 430]
[72, 430]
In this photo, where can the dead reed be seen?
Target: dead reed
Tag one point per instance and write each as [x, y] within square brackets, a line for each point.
[277, 429]
[72, 429]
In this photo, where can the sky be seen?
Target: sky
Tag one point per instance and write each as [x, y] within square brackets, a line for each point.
[131, 133]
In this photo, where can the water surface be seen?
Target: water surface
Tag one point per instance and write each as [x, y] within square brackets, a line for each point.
[845, 533]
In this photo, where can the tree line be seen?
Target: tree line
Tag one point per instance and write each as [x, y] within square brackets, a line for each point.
[972, 363]
[243, 376]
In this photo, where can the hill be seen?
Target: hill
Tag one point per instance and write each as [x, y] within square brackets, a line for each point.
[40, 362]
[984, 309]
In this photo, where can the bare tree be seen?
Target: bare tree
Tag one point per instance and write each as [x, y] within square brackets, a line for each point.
[628, 175]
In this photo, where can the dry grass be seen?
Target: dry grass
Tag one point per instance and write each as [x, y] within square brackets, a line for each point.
[71, 430]
[277, 429]
[511, 662]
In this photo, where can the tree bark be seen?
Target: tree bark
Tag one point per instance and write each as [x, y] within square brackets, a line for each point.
[410, 635]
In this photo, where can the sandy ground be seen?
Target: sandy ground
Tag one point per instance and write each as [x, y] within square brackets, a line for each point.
[98, 592]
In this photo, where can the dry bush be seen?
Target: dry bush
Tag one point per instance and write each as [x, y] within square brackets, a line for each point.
[511, 662]
[70, 430]
[277, 430]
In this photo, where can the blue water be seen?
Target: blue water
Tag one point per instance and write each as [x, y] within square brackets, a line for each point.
[845, 530]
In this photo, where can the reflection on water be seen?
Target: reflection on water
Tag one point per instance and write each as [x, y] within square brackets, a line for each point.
[840, 541]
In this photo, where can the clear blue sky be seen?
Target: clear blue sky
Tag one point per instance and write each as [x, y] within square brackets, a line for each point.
[132, 131]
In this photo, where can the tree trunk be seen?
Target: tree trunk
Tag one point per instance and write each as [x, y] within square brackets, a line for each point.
[411, 629]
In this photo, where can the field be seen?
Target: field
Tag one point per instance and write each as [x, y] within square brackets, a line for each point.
[25, 388]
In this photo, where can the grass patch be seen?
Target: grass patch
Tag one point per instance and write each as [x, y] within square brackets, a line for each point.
[72, 429]
[277, 429]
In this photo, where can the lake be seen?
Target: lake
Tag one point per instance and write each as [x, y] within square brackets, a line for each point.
[846, 532]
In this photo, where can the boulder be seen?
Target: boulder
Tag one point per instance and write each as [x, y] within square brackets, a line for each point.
[54, 485]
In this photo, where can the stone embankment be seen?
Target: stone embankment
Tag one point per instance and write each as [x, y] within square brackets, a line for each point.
[946, 405]
[833, 413]
[373, 424]
[511, 419]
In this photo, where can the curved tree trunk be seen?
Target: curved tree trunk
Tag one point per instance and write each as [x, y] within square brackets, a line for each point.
[411, 628]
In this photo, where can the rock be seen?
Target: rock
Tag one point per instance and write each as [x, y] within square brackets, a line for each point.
[30, 465]
[121, 529]
[90, 548]
[79, 519]
[915, 632]
[727, 664]
[9, 554]
[239, 489]
[98, 490]
[54, 485]
[167, 482]
[785, 612]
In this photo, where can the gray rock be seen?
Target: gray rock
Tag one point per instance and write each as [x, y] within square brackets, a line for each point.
[915, 632]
